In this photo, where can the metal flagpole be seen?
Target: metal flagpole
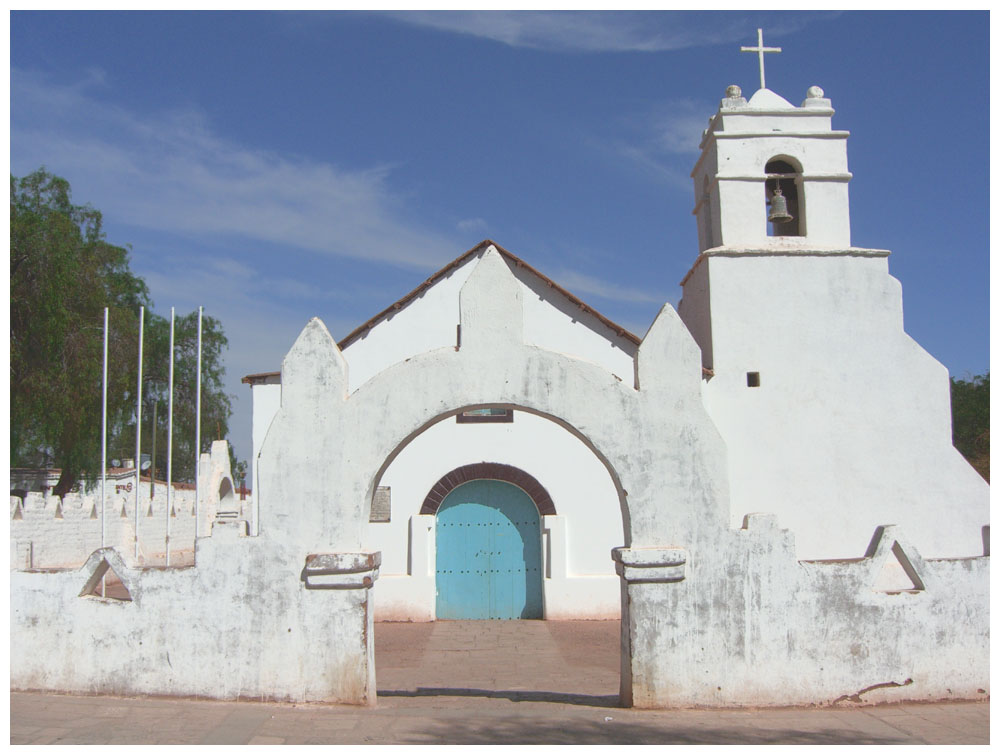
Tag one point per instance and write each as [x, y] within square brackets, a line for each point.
[104, 441]
[197, 437]
[138, 428]
[170, 439]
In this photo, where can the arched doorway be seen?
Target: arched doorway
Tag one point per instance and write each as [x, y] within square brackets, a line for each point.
[533, 454]
[488, 553]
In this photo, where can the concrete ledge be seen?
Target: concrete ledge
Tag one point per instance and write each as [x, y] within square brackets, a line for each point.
[341, 571]
[638, 565]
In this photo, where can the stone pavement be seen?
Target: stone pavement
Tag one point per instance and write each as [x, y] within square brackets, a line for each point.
[484, 682]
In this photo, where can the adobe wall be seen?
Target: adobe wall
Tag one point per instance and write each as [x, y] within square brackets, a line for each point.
[746, 624]
[47, 532]
[850, 427]
[239, 625]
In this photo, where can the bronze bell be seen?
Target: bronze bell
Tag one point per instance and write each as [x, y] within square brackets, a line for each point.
[779, 208]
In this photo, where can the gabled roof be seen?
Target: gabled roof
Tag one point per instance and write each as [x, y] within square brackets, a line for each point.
[444, 271]
[458, 262]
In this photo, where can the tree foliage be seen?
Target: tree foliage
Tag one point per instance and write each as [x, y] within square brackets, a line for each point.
[970, 420]
[63, 273]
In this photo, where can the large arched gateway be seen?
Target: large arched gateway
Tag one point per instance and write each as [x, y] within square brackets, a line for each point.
[324, 439]
[576, 500]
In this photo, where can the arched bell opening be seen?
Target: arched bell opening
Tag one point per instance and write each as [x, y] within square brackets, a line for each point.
[784, 198]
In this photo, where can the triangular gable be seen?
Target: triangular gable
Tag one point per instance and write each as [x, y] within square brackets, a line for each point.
[105, 570]
[515, 263]
[895, 565]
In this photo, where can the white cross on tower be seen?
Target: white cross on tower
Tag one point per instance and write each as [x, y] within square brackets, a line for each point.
[760, 50]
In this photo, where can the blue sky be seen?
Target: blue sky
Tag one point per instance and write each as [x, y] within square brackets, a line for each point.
[277, 166]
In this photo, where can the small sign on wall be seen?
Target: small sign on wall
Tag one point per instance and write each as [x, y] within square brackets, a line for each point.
[381, 504]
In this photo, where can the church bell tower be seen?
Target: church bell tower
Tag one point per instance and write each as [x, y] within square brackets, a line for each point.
[774, 224]
[772, 175]
[830, 411]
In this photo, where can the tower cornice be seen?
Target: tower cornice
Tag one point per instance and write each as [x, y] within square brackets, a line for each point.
[782, 251]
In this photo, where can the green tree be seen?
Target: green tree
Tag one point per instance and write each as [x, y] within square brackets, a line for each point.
[63, 273]
[970, 420]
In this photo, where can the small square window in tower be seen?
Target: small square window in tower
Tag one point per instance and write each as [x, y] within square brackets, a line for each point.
[785, 207]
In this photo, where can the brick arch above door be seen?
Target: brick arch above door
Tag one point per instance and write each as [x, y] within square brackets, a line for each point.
[488, 471]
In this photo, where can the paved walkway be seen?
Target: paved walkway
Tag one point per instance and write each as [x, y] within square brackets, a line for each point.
[484, 682]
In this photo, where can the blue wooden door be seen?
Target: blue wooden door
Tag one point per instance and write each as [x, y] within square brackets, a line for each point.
[489, 554]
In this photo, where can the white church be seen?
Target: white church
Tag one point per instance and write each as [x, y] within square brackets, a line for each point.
[833, 419]
[762, 488]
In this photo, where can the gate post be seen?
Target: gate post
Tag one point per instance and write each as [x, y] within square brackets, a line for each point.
[355, 572]
[646, 602]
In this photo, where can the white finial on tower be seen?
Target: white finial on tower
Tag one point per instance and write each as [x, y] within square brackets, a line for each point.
[760, 50]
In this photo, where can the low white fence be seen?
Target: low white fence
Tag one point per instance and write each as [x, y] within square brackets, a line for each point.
[47, 532]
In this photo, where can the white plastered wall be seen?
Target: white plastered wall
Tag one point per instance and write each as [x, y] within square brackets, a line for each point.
[47, 532]
[851, 426]
[266, 398]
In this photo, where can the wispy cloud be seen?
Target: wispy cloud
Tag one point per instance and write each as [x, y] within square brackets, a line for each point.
[579, 283]
[171, 172]
[664, 140]
[676, 127]
[269, 286]
[592, 31]
[660, 141]
[471, 224]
